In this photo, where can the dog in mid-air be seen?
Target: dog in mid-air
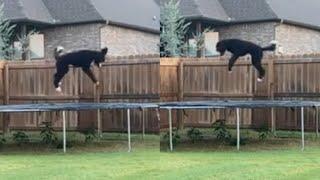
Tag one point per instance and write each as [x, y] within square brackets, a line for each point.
[240, 48]
[82, 58]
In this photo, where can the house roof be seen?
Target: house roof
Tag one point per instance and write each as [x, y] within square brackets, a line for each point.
[133, 13]
[193, 9]
[137, 14]
[303, 12]
[26, 10]
[72, 11]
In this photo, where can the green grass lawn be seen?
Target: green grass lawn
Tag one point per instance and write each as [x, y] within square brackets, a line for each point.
[279, 158]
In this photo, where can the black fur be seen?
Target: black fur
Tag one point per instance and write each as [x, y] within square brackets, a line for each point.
[240, 48]
[82, 59]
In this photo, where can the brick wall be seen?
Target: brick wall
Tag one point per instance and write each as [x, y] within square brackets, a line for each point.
[292, 39]
[124, 41]
[260, 33]
[72, 37]
[120, 41]
[297, 40]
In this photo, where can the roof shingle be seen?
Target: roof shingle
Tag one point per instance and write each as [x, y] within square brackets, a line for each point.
[304, 12]
[139, 14]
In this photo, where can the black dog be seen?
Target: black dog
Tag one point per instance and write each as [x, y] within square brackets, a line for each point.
[82, 59]
[240, 48]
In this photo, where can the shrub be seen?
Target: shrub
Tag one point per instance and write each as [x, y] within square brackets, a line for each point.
[90, 134]
[194, 134]
[263, 132]
[220, 130]
[20, 137]
[175, 138]
[47, 134]
[2, 141]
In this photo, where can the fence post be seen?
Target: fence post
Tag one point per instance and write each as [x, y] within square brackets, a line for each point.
[6, 79]
[271, 91]
[97, 100]
[180, 115]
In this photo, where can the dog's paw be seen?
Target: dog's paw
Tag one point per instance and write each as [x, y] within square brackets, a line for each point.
[260, 80]
[97, 83]
[58, 89]
[100, 65]
[230, 72]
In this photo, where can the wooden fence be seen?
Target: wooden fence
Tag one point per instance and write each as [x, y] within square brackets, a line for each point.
[124, 79]
[294, 77]
[148, 79]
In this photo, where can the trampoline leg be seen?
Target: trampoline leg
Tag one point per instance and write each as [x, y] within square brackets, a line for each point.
[302, 128]
[238, 129]
[273, 122]
[170, 129]
[64, 131]
[317, 121]
[99, 123]
[129, 130]
[143, 124]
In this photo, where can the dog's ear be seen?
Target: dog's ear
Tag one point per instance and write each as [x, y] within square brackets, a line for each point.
[104, 50]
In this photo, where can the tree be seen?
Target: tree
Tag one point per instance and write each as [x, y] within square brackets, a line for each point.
[6, 32]
[173, 29]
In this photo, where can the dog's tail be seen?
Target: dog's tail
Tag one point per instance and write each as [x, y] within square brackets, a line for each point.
[57, 52]
[271, 47]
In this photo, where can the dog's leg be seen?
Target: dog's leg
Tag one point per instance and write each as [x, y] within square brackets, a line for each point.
[260, 69]
[91, 75]
[256, 62]
[61, 72]
[232, 60]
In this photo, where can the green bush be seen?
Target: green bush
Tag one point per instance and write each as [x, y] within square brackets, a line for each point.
[175, 138]
[194, 134]
[20, 137]
[263, 132]
[47, 134]
[2, 141]
[220, 130]
[90, 134]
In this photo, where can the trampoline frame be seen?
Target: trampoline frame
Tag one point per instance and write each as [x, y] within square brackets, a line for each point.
[237, 105]
[169, 106]
[63, 107]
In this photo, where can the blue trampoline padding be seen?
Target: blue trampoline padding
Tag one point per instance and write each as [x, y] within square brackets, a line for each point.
[73, 106]
[238, 104]
[165, 105]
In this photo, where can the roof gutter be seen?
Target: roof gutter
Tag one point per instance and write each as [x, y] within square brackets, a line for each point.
[190, 18]
[154, 31]
[317, 28]
[26, 20]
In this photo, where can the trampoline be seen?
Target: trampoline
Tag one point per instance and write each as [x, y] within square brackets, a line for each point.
[251, 104]
[169, 106]
[45, 107]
